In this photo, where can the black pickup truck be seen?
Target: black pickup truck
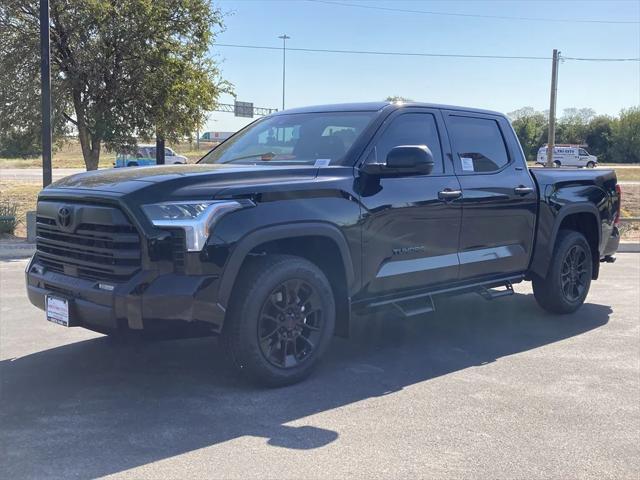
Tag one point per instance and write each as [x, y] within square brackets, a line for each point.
[282, 231]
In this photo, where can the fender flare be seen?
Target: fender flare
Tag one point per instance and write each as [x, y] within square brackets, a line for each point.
[571, 209]
[543, 253]
[279, 232]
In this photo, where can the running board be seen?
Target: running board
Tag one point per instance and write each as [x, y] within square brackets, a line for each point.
[493, 293]
[421, 303]
[415, 306]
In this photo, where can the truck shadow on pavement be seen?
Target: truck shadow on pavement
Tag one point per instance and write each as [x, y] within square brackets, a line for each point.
[93, 408]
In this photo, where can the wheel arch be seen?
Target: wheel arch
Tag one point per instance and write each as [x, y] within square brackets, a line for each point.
[581, 217]
[321, 243]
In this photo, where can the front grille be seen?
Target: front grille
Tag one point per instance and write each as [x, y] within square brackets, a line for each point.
[178, 248]
[96, 243]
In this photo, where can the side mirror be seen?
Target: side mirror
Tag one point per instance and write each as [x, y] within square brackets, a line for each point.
[403, 160]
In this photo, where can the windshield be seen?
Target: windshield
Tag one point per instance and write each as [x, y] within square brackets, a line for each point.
[302, 138]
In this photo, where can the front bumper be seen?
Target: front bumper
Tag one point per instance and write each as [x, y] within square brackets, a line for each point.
[145, 301]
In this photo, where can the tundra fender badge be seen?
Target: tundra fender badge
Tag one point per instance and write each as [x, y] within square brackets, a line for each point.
[405, 250]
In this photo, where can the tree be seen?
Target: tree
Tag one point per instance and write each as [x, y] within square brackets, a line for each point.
[531, 128]
[20, 125]
[397, 98]
[599, 137]
[626, 137]
[123, 68]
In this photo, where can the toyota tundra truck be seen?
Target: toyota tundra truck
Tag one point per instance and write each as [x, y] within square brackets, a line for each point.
[276, 236]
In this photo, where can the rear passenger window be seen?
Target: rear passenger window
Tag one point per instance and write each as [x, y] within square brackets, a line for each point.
[411, 129]
[478, 143]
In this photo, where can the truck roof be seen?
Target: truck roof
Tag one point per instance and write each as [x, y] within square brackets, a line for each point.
[377, 106]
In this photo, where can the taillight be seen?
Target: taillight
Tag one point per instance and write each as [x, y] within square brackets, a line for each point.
[616, 220]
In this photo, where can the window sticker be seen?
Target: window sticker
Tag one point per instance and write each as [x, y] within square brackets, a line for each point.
[467, 164]
[322, 162]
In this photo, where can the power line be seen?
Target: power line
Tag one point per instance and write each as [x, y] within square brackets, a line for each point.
[422, 54]
[370, 52]
[474, 15]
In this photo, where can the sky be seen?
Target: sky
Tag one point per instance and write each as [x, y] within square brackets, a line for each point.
[497, 84]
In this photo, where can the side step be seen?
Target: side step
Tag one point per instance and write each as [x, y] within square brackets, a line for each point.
[493, 293]
[415, 306]
[421, 303]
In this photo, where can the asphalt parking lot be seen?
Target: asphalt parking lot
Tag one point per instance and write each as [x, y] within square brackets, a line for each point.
[480, 389]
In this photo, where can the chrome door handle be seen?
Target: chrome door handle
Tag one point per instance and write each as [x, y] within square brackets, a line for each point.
[522, 190]
[449, 194]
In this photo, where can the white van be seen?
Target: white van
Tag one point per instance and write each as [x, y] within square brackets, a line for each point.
[568, 156]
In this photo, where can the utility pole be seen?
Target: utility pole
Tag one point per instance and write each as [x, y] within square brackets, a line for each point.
[45, 85]
[284, 38]
[551, 140]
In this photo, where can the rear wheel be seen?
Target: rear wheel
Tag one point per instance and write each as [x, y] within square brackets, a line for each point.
[557, 163]
[281, 320]
[132, 164]
[567, 283]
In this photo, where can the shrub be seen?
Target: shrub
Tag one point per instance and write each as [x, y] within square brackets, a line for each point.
[8, 220]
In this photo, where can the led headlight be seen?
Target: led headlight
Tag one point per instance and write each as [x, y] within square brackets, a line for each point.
[196, 218]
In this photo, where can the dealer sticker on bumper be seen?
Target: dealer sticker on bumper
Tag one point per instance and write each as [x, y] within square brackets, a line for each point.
[58, 310]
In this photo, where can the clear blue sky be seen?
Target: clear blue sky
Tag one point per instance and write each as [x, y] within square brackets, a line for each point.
[504, 85]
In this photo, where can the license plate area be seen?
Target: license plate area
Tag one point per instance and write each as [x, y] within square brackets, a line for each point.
[57, 310]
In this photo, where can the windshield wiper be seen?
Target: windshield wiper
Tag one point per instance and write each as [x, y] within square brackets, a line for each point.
[244, 157]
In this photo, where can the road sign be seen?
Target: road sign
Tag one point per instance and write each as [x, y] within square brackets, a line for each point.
[243, 109]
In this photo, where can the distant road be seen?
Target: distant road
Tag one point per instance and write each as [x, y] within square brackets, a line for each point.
[35, 174]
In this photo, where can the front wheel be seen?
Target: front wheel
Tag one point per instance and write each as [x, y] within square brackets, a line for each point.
[567, 283]
[590, 165]
[557, 163]
[280, 321]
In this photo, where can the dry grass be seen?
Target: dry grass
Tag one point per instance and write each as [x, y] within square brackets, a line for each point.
[628, 174]
[24, 195]
[70, 156]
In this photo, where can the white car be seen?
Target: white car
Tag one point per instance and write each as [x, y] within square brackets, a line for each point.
[146, 155]
[568, 156]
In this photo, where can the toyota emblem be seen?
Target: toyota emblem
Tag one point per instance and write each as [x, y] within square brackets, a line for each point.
[64, 216]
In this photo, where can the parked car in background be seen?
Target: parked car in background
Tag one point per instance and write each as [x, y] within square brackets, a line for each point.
[146, 155]
[568, 156]
[215, 136]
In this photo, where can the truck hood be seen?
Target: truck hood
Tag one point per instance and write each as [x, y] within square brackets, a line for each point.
[183, 180]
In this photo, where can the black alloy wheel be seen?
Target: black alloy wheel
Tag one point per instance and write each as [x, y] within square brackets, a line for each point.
[573, 275]
[290, 324]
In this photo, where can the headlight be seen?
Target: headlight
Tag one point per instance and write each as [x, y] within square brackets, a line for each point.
[196, 218]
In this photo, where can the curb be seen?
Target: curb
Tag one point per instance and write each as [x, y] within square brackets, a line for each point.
[9, 251]
[629, 247]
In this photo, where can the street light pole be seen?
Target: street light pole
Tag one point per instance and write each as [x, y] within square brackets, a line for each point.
[284, 38]
[45, 85]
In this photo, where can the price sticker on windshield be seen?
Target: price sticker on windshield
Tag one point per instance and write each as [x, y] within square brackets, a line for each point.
[467, 164]
[322, 162]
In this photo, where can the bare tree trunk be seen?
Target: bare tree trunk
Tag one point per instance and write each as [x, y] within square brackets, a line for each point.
[89, 142]
[90, 147]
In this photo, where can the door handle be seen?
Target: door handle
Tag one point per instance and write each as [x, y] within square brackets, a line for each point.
[522, 190]
[448, 194]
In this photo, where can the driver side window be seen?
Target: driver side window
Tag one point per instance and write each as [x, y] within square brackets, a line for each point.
[411, 129]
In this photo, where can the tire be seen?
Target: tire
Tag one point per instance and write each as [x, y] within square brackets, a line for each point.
[590, 165]
[557, 163]
[556, 293]
[132, 164]
[262, 303]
